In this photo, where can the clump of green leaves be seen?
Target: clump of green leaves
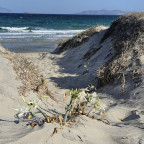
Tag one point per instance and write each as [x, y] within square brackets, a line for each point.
[74, 94]
[79, 101]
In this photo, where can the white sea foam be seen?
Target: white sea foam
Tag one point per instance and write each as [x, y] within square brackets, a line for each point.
[57, 31]
[15, 29]
[39, 31]
[24, 34]
[18, 37]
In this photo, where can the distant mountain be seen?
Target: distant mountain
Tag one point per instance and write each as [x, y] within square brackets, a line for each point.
[30, 13]
[103, 12]
[4, 10]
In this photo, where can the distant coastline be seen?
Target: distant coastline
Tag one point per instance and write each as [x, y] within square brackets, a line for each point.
[4, 10]
[102, 12]
[89, 12]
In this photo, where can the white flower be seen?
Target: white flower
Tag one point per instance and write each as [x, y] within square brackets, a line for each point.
[93, 99]
[22, 111]
[34, 103]
[94, 95]
[85, 66]
[82, 96]
[102, 107]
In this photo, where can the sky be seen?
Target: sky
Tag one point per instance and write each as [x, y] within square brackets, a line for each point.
[70, 6]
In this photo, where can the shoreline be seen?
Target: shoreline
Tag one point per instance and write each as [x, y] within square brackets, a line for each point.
[43, 33]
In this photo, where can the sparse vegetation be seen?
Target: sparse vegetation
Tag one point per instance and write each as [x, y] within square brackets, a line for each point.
[76, 40]
[127, 41]
[30, 78]
[125, 31]
[28, 75]
[80, 102]
[136, 14]
[123, 82]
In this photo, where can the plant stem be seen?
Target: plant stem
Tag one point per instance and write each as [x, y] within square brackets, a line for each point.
[36, 112]
[84, 108]
[42, 113]
[90, 111]
[67, 111]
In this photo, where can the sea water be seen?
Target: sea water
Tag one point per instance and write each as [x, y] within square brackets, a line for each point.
[43, 32]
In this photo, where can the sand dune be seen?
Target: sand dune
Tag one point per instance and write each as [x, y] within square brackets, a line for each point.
[108, 56]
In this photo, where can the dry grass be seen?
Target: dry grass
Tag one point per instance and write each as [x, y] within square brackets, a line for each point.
[110, 71]
[136, 14]
[127, 63]
[77, 40]
[30, 78]
[125, 31]
[128, 41]
[28, 75]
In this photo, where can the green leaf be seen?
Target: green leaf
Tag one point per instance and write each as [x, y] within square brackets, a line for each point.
[23, 99]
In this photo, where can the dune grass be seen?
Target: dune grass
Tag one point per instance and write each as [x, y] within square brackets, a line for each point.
[127, 41]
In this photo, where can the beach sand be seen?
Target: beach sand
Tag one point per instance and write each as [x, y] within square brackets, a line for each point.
[124, 119]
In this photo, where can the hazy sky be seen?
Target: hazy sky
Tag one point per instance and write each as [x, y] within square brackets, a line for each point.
[70, 6]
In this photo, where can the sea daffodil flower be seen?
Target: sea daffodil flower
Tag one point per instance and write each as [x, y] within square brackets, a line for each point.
[22, 111]
[33, 103]
[82, 96]
[102, 107]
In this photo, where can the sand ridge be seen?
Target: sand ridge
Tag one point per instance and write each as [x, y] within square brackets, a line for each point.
[66, 71]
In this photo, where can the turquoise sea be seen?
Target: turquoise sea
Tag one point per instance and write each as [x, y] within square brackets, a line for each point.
[42, 32]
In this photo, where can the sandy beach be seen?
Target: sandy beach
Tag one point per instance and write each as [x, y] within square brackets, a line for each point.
[100, 56]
